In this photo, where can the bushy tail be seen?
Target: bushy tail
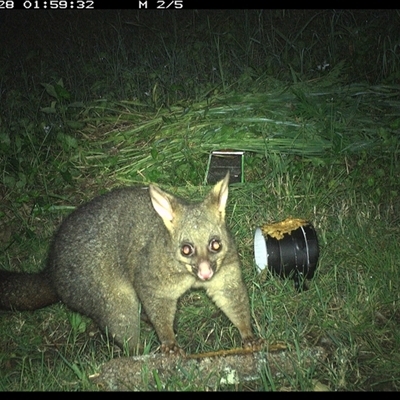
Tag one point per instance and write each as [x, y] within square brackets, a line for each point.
[21, 291]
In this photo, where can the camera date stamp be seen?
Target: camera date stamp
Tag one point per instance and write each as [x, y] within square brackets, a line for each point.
[85, 4]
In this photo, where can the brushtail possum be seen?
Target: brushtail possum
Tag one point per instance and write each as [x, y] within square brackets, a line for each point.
[138, 245]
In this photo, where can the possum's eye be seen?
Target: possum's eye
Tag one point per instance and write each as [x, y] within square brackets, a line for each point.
[215, 245]
[187, 249]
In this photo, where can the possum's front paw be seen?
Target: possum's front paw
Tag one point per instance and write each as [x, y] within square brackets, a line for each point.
[171, 348]
[253, 343]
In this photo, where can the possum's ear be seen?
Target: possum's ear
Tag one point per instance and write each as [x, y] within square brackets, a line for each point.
[218, 197]
[163, 203]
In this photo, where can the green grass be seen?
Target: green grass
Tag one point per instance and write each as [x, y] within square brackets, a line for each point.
[351, 309]
[79, 117]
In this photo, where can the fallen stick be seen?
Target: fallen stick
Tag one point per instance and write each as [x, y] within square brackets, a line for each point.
[208, 370]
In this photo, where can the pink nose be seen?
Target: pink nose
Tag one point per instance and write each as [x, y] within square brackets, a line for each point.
[204, 271]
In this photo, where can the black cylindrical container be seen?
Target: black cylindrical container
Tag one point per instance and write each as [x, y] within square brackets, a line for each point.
[289, 249]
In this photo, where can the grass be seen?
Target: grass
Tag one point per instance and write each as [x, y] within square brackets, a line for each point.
[80, 117]
[351, 308]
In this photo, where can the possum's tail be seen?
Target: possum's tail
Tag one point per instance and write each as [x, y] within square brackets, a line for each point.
[22, 291]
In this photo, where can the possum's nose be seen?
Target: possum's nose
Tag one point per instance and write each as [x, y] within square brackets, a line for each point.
[204, 271]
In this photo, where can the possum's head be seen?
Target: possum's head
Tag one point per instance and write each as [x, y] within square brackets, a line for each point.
[198, 230]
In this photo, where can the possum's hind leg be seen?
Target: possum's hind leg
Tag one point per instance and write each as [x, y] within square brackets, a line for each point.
[92, 282]
[120, 316]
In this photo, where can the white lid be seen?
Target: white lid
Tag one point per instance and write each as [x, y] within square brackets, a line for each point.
[260, 250]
